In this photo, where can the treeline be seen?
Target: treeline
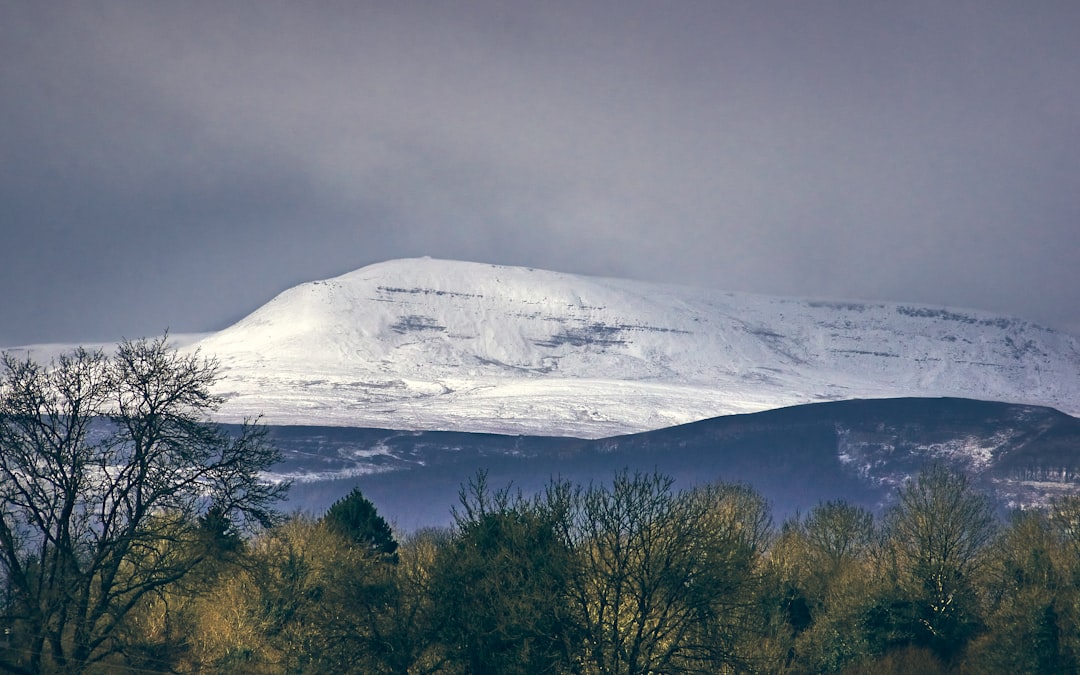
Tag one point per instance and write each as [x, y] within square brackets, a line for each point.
[149, 544]
[627, 577]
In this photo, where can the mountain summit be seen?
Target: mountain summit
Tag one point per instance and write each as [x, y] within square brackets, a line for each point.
[436, 344]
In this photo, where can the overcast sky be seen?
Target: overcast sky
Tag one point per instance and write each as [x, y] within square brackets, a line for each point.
[177, 164]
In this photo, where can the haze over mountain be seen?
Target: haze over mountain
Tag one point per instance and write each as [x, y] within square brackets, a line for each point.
[436, 344]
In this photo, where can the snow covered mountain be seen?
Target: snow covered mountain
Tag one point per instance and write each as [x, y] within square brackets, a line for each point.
[435, 344]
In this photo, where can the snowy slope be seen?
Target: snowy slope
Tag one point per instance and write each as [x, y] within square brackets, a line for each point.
[434, 344]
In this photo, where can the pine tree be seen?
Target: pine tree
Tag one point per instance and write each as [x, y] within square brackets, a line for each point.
[355, 518]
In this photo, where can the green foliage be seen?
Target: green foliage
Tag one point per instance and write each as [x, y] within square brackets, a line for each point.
[501, 587]
[303, 602]
[627, 577]
[355, 518]
[219, 534]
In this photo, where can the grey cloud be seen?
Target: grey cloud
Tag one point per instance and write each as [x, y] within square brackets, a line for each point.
[179, 163]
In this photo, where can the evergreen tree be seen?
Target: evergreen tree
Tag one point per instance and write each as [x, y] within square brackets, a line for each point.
[355, 518]
[500, 587]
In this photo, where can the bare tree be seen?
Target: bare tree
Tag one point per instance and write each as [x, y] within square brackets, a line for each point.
[936, 540]
[839, 531]
[106, 463]
[664, 577]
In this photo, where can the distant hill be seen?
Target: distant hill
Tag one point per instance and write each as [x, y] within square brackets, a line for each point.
[858, 450]
[442, 345]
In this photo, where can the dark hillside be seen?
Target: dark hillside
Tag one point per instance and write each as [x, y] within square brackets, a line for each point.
[857, 450]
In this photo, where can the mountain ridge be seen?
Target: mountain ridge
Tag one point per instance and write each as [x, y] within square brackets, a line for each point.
[448, 345]
[1020, 456]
